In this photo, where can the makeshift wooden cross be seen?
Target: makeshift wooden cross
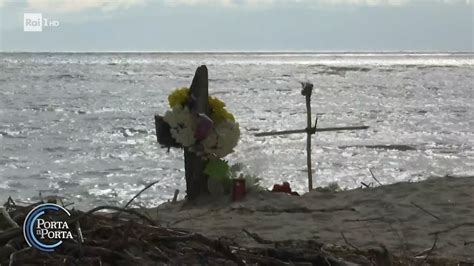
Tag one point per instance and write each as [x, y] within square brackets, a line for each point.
[196, 180]
[307, 91]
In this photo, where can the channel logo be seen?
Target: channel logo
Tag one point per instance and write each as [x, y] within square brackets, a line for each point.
[34, 22]
[45, 227]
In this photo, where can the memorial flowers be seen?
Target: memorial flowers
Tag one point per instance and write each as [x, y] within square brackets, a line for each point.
[216, 134]
[222, 172]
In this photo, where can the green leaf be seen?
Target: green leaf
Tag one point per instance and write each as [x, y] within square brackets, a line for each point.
[218, 169]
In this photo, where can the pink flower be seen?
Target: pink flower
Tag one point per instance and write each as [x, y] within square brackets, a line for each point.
[204, 127]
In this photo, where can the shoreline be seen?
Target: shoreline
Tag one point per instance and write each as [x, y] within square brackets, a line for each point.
[407, 218]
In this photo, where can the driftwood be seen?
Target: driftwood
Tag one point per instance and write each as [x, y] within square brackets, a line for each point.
[108, 241]
[104, 240]
[6, 220]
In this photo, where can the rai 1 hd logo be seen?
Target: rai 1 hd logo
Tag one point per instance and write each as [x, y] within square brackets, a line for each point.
[35, 22]
[46, 228]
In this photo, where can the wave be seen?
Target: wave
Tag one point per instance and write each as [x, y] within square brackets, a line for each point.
[13, 134]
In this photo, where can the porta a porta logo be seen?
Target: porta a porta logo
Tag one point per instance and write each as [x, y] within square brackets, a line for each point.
[45, 227]
[34, 22]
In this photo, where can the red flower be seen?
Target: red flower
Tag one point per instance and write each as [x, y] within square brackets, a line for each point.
[285, 187]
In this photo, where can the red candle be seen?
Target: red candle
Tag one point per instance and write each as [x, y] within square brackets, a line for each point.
[238, 189]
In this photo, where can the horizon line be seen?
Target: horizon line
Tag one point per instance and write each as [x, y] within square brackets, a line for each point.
[249, 52]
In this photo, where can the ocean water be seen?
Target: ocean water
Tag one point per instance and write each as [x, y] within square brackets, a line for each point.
[81, 125]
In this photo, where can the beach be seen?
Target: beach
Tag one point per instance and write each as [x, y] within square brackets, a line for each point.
[237, 132]
[432, 218]
[81, 125]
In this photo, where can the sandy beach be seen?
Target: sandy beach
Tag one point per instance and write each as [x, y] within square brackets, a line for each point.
[409, 219]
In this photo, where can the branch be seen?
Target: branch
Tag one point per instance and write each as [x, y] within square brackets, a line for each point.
[7, 218]
[364, 220]
[425, 210]
[373, 176]
[349, 243]
[141, 191]
[257, 238]
[428, 251]
[466, 243]
[83, 215]
[297, 209]
[451, 228]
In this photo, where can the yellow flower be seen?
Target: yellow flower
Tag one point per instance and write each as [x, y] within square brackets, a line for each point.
[178, 97]
[220, 115]
[218, 111]
[215, 103]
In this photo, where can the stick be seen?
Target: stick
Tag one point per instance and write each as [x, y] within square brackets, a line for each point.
[349, 243]
[265, 260]
[295, 210]
[428, 251]
[257, 238]
[425, 210]
[191, 217]
[10, 204]
[299, 131]
[7, 217]
[364, 220]
[79, 232]
[80, 216]
[307, 90]
[468, 243]
[81, 239]
[451, 228]
[175, 197]
[160, 252]
[141, 191]
[216, 245]
[373, 176]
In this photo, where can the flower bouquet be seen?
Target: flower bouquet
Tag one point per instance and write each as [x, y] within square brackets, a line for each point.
[209, 136]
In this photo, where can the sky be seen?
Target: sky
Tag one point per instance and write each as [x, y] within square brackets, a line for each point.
[240, 25]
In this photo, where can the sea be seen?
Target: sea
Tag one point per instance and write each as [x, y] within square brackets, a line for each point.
[81, 125]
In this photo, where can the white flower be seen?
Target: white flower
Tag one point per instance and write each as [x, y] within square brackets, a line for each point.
[184, 136]
[182, 125]
[210, 142]
[220, 142]
[223, 139]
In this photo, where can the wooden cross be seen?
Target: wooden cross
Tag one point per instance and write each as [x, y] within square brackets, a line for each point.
[196, 180]
[307, 91]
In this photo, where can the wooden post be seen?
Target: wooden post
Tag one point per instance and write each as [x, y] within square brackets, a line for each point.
[307, 90]
[196, 180]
